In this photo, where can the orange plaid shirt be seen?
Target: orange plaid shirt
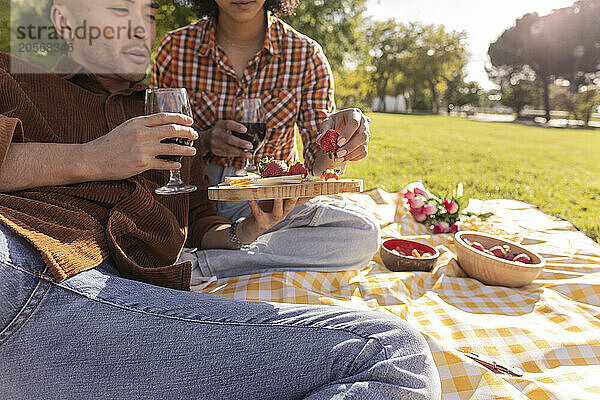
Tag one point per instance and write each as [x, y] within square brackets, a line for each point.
[291, 76]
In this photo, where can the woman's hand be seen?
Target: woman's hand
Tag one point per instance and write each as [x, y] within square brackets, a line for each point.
[266, 215]
[220, 141]
[354, 128]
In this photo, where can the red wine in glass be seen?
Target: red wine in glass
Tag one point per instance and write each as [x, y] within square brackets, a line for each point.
[171, 100]
[251, 115]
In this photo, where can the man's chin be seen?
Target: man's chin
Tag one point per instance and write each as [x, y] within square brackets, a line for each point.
[133, 77]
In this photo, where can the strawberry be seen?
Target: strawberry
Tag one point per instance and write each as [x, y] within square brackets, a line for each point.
[270, 168]
[499, 251]
[329, 142]
[298, 169]
[330, 174]
[522, 258]
[478, 246]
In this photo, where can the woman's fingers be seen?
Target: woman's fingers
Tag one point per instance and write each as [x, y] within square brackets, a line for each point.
[255, 207]
[278, 209]
[290, 204]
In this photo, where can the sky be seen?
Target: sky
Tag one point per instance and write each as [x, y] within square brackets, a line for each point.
[482, 20]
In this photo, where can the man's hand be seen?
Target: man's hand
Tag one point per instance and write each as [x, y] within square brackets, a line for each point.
[266, 215]
[354, 128]
[131, 148]
[220, 141]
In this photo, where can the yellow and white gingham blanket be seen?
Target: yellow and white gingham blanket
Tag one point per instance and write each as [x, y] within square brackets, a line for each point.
[550, 329]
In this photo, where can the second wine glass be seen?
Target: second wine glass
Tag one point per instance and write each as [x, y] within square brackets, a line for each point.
[249, 112]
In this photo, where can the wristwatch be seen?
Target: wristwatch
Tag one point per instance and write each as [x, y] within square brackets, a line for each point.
[233, 238]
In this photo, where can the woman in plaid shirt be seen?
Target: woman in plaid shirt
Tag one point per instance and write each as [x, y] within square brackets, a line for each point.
[240, 49]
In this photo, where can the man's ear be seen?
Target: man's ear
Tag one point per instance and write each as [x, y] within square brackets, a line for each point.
[62, 22]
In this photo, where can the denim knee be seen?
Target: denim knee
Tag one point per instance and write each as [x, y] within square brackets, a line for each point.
[407, 359]
[364, 245]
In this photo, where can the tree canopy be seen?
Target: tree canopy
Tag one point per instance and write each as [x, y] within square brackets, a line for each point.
[563, 44]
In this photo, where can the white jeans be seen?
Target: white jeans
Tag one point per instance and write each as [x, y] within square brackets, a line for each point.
[324, 234]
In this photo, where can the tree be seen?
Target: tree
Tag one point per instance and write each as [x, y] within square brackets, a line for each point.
[407, 59]
[336, 25]
[460, 93]
[562, 44]
[392, 46]
[437, 56]
[172, 14]
[518, 86]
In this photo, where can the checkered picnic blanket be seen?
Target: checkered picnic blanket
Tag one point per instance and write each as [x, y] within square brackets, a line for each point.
[550, 329]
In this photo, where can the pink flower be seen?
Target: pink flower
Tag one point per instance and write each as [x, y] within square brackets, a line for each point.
[418, 215]
[421, 192]
[430, 209]
[441, 227]
[451, 206]
[454, 228]
[416, 202]
[408, 194]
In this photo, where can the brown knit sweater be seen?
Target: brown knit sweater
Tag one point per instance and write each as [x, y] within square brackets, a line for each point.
[77, 227]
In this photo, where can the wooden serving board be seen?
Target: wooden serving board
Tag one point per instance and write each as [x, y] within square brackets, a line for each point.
[287, 191]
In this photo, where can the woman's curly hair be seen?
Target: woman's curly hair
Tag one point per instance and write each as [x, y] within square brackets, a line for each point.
[204, 8]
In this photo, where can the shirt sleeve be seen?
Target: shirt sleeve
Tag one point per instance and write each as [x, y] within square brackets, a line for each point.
[11, 128]
[317, 102]
[203, 214]
[160, 76]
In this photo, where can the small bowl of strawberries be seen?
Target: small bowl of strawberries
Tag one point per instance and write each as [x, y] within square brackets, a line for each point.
[408, 255]
[495, 261]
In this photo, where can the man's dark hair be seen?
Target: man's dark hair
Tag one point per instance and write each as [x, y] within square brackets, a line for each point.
[204, 8]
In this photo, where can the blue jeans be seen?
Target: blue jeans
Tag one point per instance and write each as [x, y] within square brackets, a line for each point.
[99, 336]
[324, 234]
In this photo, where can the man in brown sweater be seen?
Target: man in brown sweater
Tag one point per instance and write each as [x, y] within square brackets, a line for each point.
[77, 177]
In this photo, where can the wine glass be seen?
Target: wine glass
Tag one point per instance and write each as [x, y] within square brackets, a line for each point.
[171, 100]
[249, 112]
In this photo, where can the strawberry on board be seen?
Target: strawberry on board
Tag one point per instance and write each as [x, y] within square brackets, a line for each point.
[271, 168]
[331, 174]
[298, 169]
[329, 143]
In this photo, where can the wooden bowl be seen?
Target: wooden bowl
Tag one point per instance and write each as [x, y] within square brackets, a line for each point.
[492, 270]
[398, 262]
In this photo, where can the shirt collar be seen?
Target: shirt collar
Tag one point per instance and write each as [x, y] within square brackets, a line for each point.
[272, 37]
[69, 69]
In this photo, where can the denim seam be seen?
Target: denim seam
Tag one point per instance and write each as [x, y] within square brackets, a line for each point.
[25, 307]
[205, 268]
[8, 262]
[316, 216]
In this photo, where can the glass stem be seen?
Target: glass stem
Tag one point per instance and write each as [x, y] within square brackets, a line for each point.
[175, 178]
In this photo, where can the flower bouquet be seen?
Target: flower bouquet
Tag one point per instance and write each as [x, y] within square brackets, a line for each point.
[441, 214]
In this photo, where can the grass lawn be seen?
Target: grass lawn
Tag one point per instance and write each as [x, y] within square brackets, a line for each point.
[555, 169]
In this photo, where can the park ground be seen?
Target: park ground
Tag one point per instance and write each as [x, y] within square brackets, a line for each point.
[555, 169]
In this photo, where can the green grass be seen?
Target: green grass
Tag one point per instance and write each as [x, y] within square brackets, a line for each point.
[555, 169]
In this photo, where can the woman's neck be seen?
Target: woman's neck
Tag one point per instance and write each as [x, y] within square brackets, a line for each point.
[249, 34]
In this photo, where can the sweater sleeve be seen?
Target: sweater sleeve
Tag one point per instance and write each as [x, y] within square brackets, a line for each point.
[11, 128]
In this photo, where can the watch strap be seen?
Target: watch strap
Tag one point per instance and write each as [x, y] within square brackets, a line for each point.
[233, 238]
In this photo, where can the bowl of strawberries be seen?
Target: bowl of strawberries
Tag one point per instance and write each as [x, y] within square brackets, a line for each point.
[495, 261]
[407, 255]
